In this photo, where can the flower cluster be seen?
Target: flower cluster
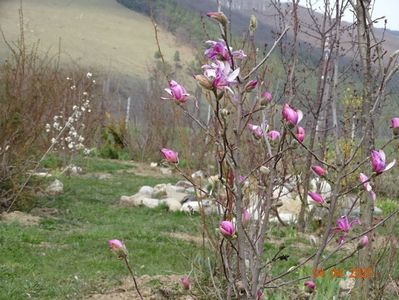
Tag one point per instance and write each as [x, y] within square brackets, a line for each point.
[66, 130]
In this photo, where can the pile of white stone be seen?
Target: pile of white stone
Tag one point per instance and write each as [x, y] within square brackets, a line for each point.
[178, 197]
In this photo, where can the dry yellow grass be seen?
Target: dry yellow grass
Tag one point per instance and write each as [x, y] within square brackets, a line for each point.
[93, 33]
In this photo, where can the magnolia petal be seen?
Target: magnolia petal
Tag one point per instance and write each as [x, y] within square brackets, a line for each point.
[390, 165]
[300, 116]
[169, 91]
[233, 75]
[372, 195]
[382, 154]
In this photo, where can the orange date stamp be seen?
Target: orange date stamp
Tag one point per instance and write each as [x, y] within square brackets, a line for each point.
[356, 273]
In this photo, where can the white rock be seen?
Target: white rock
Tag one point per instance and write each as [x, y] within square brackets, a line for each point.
[146, 190]
[150, 202]
[153, 165]
[190, 207]
[55, 188]
[172, 204]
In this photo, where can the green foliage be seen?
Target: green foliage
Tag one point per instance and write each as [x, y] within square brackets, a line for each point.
[52, 161]
[174, 17]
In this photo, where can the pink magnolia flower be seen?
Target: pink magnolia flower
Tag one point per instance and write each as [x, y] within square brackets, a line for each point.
[319, 171]
[117, 247]
[273, 134]
[395, 126]
[377, 158]
[227, 229]
[177, 91]
[218, 51]
[344, 225]
[268, 96]
[256, 130]
[291, 115]
[363, 242]
[316, 197]
[246, 217]
[310, 286]
[170, 155]
[250, 85]
[221, 74]
[185, 282]
[300, 134]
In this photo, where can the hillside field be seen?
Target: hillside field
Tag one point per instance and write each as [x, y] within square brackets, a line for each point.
[108, 37]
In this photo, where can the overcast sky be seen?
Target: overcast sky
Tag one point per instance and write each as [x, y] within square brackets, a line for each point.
[387, 8]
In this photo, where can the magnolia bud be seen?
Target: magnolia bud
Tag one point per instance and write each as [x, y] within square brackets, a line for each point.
[219, 17]
[363, 242]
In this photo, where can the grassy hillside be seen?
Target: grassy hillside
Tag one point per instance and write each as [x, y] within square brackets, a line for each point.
[93, 33]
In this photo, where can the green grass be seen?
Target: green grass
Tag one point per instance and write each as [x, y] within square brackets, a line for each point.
[68, 256]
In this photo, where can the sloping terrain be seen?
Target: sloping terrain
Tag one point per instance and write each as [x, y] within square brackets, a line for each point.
[92, 33]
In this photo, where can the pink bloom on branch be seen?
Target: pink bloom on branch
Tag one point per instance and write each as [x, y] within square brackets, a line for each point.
[117, 247]
[227, 229]
[363, 242]
[316, 197]
[291, 115]
[310, 286]
[170, 155]
[185, 282]
[319, 171]
[218, 51]
[268, 96]
[377, 159]
[300, 134]
[395, 123]
[250, 85]
[221, 74]
[344, 225]
[246, 217]
[273, 135]
[256, 130]
[115, 244]
[177, 91]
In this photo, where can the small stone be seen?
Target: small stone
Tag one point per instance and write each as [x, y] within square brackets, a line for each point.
[104, 176]
[55, 188]
[165, 171]
[153, 165]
